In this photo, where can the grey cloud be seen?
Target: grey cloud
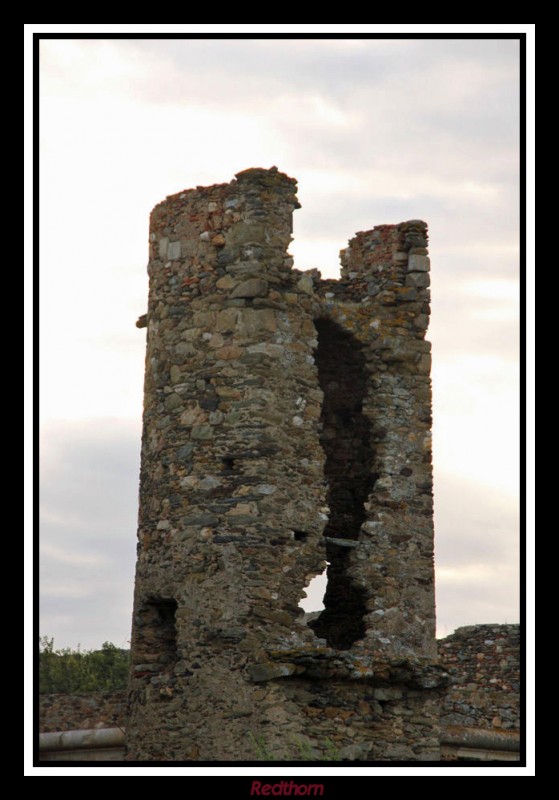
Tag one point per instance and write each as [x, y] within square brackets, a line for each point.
[319, 64]
[493, 600]
[258, 67]
[87, 472]
[89, 493]
[102, 616]
[477, 539]
[443, 106]
[474, 526]
[443, 112]
[423, 97]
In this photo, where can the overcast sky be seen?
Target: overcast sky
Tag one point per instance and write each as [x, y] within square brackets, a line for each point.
[375, 131]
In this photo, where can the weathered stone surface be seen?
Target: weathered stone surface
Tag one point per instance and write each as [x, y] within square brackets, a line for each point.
[226, 320]
[216, 340]
[84, 711]
[252, 321]
[268, 349]
[229, 352]
[193, 415]
[418, 263]
[484, 661]
[286, 424]
[173, 250]
[173, 401]
[266, 672]
[227, 282]
[419, 279]
[305, 284]
[253, 287]
[480, 712]
[202, 432]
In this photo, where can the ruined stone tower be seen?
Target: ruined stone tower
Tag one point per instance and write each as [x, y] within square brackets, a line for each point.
[287, 425]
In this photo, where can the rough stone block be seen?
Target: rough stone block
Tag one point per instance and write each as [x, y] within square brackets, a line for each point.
[174, 251]
[253, 287]
[418, 263]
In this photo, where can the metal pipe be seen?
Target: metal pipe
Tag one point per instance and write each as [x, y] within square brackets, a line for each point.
[480, 738]
[88, 739]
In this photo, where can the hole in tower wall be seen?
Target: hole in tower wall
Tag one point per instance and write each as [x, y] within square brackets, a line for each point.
[228, 464]
[346, 440]
[156, 635]
[313, 600]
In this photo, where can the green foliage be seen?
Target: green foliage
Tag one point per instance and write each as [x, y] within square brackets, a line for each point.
[262, 752]
[66, 671]
[306, 752]
[302, 750]
[332, 752]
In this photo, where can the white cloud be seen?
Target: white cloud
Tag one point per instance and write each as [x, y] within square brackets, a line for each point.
[476, 421]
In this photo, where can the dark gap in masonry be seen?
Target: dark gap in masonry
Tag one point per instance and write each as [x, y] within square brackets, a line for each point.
[156, 635]
[346, 440]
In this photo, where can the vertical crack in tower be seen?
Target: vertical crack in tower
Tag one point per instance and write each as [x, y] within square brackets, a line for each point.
[346, 441]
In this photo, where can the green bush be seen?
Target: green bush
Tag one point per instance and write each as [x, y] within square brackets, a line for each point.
[66, 671]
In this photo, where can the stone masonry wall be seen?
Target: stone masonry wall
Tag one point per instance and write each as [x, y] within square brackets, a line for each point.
[287, 425]
[69, 712]
[485, 660]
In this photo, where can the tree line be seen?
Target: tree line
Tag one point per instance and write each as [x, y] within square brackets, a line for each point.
[65, 671]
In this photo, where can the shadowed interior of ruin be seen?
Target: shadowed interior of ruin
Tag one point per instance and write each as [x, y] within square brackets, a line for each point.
[346, 441]
[156, 643]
